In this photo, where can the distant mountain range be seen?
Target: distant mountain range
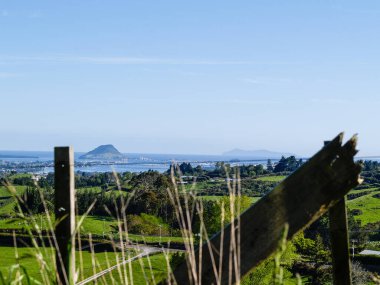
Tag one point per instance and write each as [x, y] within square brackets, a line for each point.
[256, 154]
[104, 152]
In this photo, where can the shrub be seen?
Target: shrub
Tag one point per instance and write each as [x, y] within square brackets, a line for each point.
[145, 224]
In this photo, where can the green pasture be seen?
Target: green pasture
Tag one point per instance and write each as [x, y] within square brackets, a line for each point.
[20, 175]
[277, 178]
[90, 224]
[204, 185]
[216, 198]
[143, 271]
[94, 225]
[5, 192]
[89, 189]
[369, 205]
[362, 190]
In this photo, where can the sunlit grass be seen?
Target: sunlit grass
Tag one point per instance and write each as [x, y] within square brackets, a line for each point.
[27, 259]
[216, 198]
[277, 178]
[369, 205]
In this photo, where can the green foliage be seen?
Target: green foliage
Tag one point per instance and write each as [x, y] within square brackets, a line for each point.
[176, 259]
[145, 224]
[369, 165]
[84, 179]
[278, 272]
[287, 164]
[218, 213]
[251, 170]
[315, 258]
[33, 200]
[149, 196]
[262, 274]
[256, 187]
[7, 201]
[371, 178]
[222, 169]
[150, 181]
[304, 246]
[24, 180]
[276, 269]
[321, 254]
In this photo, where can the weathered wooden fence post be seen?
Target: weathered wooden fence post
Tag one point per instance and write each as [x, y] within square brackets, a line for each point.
[298, 201]
[339, 242]
[64, 214]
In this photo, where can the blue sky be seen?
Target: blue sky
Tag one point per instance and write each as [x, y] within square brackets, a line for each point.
[189, 76]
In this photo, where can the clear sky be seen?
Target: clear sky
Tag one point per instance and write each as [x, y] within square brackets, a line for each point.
[194, 76]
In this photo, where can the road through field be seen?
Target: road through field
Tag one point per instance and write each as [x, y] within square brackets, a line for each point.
[145, 251]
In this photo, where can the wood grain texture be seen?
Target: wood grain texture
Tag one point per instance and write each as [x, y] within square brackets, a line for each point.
[339, 243]
[298, 201]
[64, 214]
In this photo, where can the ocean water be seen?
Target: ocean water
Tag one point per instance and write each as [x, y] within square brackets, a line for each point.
[136, 162]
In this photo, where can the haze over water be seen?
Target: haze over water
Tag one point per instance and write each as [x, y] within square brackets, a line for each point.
[136, 162]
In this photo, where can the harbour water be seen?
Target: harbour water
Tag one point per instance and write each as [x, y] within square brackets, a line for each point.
[42, 162]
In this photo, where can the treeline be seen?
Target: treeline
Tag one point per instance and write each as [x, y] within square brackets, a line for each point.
[221, 170]
[150, 195]
[84, 179]
[371, 172]
[288, 164]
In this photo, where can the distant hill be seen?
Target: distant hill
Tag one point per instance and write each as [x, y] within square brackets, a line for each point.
[104, 152]
[255, 154]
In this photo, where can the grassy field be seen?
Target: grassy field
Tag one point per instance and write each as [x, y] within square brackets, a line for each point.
[4, 192]
[95, 225]
[91, 224]
[149, 268]
[141, 271]
[90, 189]
[277, 178]
[362, 190]
[369, 205]
[216, 198]
[204, 185]
[19, 175]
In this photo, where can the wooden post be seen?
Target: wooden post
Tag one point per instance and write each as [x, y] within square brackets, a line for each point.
[339, 242]
[297, 201]
[64, 214]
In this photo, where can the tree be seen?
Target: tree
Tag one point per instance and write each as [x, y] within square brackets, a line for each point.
[212, 211]
[186, 168]
[281, 165]
[287, 164]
